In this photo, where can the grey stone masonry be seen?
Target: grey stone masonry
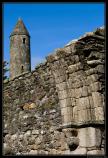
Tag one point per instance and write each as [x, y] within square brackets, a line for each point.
[59, 108]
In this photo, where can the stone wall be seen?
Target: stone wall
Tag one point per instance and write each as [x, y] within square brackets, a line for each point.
[59, 107]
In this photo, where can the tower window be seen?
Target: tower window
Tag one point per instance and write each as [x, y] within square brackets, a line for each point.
[22, 68]
[24, 40]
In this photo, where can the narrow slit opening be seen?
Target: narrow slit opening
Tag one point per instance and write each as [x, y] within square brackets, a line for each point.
[24, 40]
[22, 68]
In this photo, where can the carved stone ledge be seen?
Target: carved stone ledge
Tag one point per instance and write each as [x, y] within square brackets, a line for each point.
[82, 124]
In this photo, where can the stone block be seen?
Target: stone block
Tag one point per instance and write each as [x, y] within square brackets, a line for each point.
[65, 102]
[93, 118]
[28, 133]
[43, 132]
[70, 132]
[21, 137]
[92, 78]
[75, 113]
[84, 91]
[6, 149]
[89, 91]
[95, 152]
[103, 150]
[70, 109]
[76, 58]
[25, 116]
[66, 152]
[83, 103]
[50, 58]
[101, 68]
[56, 135]
[91, 71]
[98, 99]
[43, 152]
[75, 67]
[53, 151]
[96, 86]
[78, 84]
[69, 83]
[71, 141]
[35, 132]
[99, 114]
[75, 81]
[31, 140]
[38, 140]
[28, 106]
[33, 147]
[60, 79]
[68, 50]
[67, 119]
[79, 151]
[56, 73]
[33, 152]
[73, 102]
[62, 118]
[67, 111]
[57, 144]
[64, 111]
[91, 101]
[84, 116]
[71, 93]
[89, 137]
[63, 94]
[67, 132]
[78, 92]
[14, 136]
[61, 86]
[63, 146]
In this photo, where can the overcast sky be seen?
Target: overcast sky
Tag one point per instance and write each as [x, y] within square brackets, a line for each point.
[51, 25]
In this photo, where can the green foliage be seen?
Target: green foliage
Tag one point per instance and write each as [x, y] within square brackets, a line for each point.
[5, 70]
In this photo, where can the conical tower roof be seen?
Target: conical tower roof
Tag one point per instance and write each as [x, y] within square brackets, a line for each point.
[20, 29]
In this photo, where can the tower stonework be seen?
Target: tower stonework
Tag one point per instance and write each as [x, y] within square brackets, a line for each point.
[20, 61]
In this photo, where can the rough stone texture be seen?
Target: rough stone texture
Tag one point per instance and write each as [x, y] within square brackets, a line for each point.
[79, 151]
[89, 137]
[59, 107]
[95, 152]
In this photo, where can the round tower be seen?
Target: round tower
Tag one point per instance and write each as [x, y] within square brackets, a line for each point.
[20, 61]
